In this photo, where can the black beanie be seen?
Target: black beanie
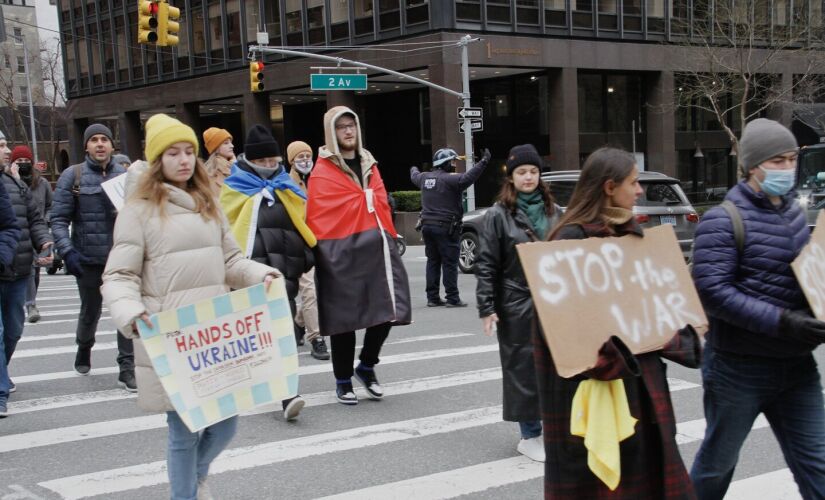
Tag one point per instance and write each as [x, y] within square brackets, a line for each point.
[260, 144]
[524, 154]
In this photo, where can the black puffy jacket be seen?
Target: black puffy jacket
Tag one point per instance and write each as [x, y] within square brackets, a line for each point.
[33, 229]
[90, 213]
[278, 243]
[501, 288]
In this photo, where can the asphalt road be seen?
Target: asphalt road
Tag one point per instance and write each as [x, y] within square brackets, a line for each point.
[437, 434]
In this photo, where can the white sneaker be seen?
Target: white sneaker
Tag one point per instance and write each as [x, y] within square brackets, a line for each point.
[203, 490]
[293, 408]
[532, 448]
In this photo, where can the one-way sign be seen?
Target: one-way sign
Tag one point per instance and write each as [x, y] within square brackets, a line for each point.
[469, 113]
[475, 126]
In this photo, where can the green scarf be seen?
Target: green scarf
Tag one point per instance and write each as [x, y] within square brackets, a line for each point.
[532, 205]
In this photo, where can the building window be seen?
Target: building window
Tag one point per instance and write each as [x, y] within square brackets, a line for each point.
[468, 10]
[8, 61]
[24, 94]
[21, 65]
[527, 12]
[498, 11]
[18, 36]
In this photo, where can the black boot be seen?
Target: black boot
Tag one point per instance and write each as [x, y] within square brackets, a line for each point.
[300, 331]
[319, 349]
[83, 360]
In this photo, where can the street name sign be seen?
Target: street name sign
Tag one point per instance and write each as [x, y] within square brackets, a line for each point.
[469, 113]
[475, 126]
[338, 82]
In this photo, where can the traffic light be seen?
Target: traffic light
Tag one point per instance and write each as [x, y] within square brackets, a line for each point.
[256, 76]
[147, 21]
[168, 25]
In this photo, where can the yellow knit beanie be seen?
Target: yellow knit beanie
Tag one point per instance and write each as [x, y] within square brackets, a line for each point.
[296, 147]
[213, 137]
[162, 131]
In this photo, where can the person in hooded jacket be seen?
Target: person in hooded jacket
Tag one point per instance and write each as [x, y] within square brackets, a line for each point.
[359, 276]
[173, 247]
[41, 192]
[267, 212]
[651, 466]
[525, 211]
[299, 156]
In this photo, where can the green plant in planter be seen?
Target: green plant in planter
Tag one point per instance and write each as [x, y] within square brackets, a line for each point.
[407, 201]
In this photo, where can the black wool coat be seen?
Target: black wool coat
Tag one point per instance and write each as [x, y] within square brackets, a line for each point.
[501, 288]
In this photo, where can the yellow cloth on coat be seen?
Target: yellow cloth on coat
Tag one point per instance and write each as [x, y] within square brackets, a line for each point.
[241, 210]
[601, 415]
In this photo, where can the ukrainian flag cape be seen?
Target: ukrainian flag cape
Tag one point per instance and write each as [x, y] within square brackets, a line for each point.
[241, 197]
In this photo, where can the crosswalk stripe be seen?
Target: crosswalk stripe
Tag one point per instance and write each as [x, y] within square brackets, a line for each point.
[304, 370]
[60, 435]
[34, 337]
[56, 288]
[776, 485]
[62, 312]
[68, 320]
[49, 351]
[452, 483]
[67, 400]
[132, 477]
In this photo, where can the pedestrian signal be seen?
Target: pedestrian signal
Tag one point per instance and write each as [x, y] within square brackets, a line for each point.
[168, 25]
[147, 21]
[256, 76]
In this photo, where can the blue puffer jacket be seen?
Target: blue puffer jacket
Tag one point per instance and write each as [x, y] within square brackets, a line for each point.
[90, 213]
[744, 295]
[9, 230]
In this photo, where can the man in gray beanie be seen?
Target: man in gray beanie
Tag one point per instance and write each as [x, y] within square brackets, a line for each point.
[758, 353]
[80, 201]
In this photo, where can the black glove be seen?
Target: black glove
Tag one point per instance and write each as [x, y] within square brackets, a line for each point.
[485, 155]
[800, 325]
[74, 262]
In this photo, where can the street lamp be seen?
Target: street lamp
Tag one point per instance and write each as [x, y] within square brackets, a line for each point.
[22, 40]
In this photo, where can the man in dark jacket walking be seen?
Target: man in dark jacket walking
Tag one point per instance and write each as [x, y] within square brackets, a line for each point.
[79, 200]
[441, 214]
[34, 237]
[758, 354]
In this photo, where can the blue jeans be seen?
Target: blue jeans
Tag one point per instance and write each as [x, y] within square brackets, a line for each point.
[12, 317]
[441, 249]
[740, 387]
[190, 453]
[530, 429]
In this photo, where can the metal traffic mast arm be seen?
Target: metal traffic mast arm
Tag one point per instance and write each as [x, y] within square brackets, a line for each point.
[464, 95]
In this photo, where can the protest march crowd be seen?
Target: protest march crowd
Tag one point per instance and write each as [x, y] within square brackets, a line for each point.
[321, 225]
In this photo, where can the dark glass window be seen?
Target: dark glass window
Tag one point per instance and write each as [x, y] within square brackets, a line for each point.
[527, 12]
[315, 22]
[632, 15]
[272, 19]
[339, 17]
[498, 11]
[591, 103]
[582, 13]
[363, 17]
[555, 13]
[233, 28]
[624, 103]
[390, 16]
[294, 24]
[418, 11]
[468, 10]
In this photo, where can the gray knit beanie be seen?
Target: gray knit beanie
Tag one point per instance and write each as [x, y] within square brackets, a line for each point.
[764, 139]
[121, 158]
[94, 129]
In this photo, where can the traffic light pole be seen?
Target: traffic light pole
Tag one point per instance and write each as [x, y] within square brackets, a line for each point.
[464, 94]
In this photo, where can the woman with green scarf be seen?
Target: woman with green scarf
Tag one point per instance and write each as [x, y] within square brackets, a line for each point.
[524, 212]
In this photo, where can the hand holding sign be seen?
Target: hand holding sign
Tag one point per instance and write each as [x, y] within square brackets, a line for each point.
[585, 291]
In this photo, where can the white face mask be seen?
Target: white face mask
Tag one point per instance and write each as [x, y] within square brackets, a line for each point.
[304, 167]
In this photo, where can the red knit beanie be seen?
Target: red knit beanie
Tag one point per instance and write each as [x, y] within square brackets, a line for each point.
[21, 152]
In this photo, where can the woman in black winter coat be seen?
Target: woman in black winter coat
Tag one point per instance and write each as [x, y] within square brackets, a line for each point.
[525, 212]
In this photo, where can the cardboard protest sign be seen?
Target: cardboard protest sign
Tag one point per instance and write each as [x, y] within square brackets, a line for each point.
[225, 355]
[115, 189]
[585, 291]
[809, 267]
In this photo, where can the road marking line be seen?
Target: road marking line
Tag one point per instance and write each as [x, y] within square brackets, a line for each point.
[776, 485]
[49, 351]
[111, 481]
[70, 320]
[452, 483]
[34, 337]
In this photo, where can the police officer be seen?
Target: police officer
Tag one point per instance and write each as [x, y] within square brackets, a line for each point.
[441, 214]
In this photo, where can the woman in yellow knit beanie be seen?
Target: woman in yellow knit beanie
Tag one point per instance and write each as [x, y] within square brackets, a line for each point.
[172, 247]
[221, 153]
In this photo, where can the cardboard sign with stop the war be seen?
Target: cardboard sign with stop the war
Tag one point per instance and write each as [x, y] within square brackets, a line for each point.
[585, 291]
[809, 267]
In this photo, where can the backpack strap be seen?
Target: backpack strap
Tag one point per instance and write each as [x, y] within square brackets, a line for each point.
[738, 225]
[78, 171]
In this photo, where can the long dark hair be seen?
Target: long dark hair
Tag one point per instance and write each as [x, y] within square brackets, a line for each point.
[589, 198]
[508, 196]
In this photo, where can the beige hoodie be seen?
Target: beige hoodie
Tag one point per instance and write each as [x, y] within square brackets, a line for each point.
[332, 152]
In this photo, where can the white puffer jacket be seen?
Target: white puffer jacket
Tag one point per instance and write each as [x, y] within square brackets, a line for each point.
[159, 263]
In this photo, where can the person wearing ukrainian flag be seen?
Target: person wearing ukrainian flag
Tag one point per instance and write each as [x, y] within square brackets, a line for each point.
[266, 210]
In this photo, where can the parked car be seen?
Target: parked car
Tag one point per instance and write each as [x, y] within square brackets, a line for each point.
[662, 202]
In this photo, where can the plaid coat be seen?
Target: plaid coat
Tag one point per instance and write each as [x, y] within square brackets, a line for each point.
[651, 465]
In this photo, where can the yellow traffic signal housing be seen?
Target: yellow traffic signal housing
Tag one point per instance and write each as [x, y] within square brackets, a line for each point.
[256, 76]
[147, 21]
[168, 25]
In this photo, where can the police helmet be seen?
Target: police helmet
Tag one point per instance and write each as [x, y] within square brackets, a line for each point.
[444, 155]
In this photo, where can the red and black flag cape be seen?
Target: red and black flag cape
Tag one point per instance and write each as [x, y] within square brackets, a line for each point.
[360, 279]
